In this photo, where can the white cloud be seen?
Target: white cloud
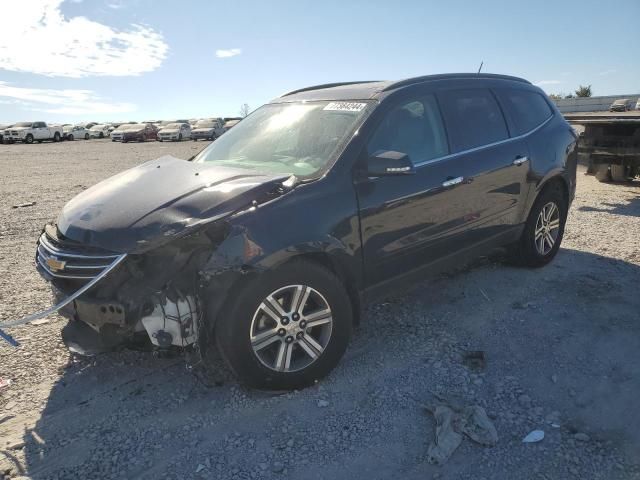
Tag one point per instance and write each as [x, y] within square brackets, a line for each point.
[232, 52]
[608, 72]
[70, 102]
[548, 82]
[35, 37]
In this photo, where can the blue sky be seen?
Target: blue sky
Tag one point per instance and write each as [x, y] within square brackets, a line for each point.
[79, 60]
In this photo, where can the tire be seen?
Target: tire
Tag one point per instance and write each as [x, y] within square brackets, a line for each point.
[56, 137]
[602, 172]
[180, 137]
[619, 173]
[101, 135]
[194, 139]
[70, 137]
[527, 251]
[242, 314]
[28, 139]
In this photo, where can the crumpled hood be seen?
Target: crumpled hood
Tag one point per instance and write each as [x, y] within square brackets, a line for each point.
[148, 205]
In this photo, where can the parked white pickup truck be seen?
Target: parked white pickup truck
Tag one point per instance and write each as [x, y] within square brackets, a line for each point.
[28, 132]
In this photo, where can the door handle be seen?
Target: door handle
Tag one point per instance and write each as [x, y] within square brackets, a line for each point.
[520, 160]
[452, 181]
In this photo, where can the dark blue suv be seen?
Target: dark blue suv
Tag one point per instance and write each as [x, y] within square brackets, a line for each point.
[269, 241]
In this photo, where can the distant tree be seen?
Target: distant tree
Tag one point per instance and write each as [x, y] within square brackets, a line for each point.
[244, 110]
[583, 91]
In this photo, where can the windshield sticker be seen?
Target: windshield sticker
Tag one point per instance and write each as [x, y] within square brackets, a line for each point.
[345, 106]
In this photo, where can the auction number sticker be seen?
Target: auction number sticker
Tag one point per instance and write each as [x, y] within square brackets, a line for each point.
[345, 106]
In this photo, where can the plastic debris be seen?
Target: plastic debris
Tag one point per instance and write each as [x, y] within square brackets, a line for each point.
[4, 383]
[8, 338]
[40, 321]
[23, 205]
[452, 424]
[533, 436]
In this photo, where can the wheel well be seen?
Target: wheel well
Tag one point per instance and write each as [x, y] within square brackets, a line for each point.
[331, 264]
[559, 183]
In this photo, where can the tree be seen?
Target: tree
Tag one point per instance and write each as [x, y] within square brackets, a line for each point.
[583, 91]
[244, 110]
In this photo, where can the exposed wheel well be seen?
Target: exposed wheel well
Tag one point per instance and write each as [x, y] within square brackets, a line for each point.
[559, 183]
[331, 264]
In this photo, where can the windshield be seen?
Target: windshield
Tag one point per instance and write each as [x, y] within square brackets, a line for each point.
[23, 124]
[299, 139]
[98, 127]
[130, 127]
[205, 125]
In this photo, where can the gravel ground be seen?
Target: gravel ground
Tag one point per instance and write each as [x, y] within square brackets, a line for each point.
[562, 347]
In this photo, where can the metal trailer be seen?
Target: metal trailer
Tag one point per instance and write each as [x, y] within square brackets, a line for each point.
[609, 144]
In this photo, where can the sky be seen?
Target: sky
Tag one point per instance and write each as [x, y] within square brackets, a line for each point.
[69, 61]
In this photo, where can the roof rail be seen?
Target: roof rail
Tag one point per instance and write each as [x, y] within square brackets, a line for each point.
[451, 76]
[326, 85]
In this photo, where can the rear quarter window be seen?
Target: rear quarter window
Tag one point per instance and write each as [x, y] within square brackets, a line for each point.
[527, 110]
[473, 118]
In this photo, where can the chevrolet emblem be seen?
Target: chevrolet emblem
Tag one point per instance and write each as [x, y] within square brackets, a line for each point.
[55, 265]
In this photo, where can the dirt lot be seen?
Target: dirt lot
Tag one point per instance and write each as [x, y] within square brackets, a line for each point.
[562, 346]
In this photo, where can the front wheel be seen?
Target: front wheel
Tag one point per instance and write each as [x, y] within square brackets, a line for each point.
[101, 135]
[180, 137]
[70, 137]
[29, 139]
[86, 136]
[543, 232]
[286, 328]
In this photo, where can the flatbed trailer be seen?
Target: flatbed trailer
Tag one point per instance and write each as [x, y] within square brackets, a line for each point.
[609, 144]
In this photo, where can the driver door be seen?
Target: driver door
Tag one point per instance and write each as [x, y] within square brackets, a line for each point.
[409, 221]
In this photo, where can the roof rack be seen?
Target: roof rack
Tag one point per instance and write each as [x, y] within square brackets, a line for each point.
[326, 85]
[451, 76]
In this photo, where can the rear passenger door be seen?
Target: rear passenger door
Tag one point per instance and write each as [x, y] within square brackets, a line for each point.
[489, 158]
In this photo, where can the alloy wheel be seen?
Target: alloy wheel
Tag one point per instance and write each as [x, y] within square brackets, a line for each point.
[291, 328]
[547, 228]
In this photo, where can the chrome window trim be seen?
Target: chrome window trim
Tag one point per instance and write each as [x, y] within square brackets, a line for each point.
[482, 147]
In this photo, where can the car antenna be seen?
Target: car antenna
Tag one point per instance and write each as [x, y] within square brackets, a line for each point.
[480, 68]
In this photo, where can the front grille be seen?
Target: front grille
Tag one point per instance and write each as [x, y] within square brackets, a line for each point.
[62, 260]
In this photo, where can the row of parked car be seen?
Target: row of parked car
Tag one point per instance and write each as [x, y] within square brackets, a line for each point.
[171, 130]
[624, 105]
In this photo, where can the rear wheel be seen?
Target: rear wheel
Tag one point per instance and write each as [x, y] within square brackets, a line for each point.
[544, 229]
[602, 172]
[70, 137]
[287, 328]
[619, 173]
[56, 137]
[101, 135]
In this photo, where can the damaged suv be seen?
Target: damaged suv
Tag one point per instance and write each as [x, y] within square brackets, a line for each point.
[269, 241]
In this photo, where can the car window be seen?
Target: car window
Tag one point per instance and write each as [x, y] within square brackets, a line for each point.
[413, 127]
[527, 109]
[473, 118]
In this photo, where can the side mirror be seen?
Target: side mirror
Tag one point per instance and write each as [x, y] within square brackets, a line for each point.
[385, 163]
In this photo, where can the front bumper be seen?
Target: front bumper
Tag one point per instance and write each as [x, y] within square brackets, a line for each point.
[168, 138]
